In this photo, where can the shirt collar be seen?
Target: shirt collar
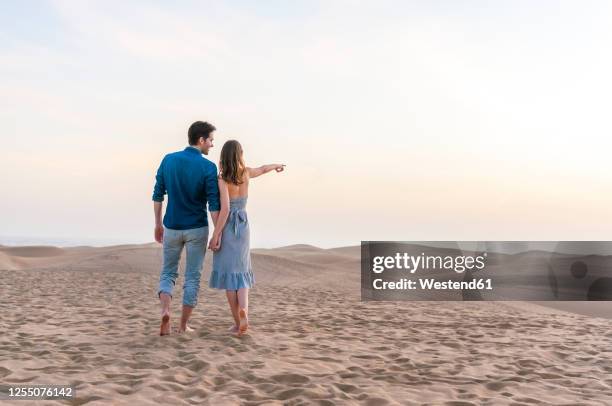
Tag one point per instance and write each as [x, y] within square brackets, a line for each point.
[193, 149]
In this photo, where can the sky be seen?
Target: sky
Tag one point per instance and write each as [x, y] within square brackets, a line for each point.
[397, 120]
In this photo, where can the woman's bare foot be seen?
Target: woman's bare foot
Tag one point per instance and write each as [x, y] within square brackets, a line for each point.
[233, 329]
[187, 329]
[244, 322]
[164, 328]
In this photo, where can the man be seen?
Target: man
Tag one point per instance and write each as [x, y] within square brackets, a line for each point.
[190, 181]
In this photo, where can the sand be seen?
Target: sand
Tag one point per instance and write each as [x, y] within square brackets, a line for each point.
[89, 317]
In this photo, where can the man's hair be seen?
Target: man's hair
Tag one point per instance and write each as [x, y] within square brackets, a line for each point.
[199, 129]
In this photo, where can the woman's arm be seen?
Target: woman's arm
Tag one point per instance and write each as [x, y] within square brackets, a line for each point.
[215, 241]
[255, 172]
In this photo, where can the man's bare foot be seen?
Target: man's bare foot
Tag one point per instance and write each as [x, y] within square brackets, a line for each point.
[186, 330]
[164, 329]
[233, 329]
[244, 322]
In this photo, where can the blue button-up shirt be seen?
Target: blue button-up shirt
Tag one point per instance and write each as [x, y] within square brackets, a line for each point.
[190, 181]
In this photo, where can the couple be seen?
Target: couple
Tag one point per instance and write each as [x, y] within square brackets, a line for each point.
[191, 181]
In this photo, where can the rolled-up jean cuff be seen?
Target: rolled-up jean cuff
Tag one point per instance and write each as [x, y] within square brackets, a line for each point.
[163, 291]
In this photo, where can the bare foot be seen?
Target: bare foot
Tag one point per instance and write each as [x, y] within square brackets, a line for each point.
[244, 322]
[233, 329]
[186, 330]
[164, 329]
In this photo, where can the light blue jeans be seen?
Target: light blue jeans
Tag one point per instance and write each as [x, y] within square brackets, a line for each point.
[194, 240]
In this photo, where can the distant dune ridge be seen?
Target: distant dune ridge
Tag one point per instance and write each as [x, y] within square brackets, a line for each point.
[89, 317]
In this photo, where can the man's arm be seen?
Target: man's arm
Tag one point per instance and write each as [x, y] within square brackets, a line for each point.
[158, 197]
[212, 193]
[159, 228]
[221, 216]
[215, 217]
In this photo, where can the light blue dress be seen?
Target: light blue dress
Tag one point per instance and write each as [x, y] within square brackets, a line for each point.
[231, 268]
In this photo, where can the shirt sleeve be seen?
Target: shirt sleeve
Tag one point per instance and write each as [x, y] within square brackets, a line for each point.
[160, 185]
[212, 189]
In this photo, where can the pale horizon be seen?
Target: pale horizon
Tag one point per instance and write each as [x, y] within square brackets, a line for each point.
[598, 248]
[397, 121]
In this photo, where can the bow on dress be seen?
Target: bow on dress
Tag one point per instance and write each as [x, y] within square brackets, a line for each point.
[237, 217]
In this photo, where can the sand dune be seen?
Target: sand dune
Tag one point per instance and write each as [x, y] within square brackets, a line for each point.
[33, 251]
[9, 262]
[88, 316]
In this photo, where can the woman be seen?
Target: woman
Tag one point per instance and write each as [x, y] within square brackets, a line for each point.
[230, 240]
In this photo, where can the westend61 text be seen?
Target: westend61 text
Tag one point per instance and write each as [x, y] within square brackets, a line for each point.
[432, 284]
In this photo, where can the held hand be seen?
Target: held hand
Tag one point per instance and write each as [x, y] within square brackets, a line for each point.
[159, 233]
[215, 242]
[280, 168]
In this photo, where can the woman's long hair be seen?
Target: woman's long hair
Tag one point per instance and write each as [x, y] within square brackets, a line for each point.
[231, 164]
